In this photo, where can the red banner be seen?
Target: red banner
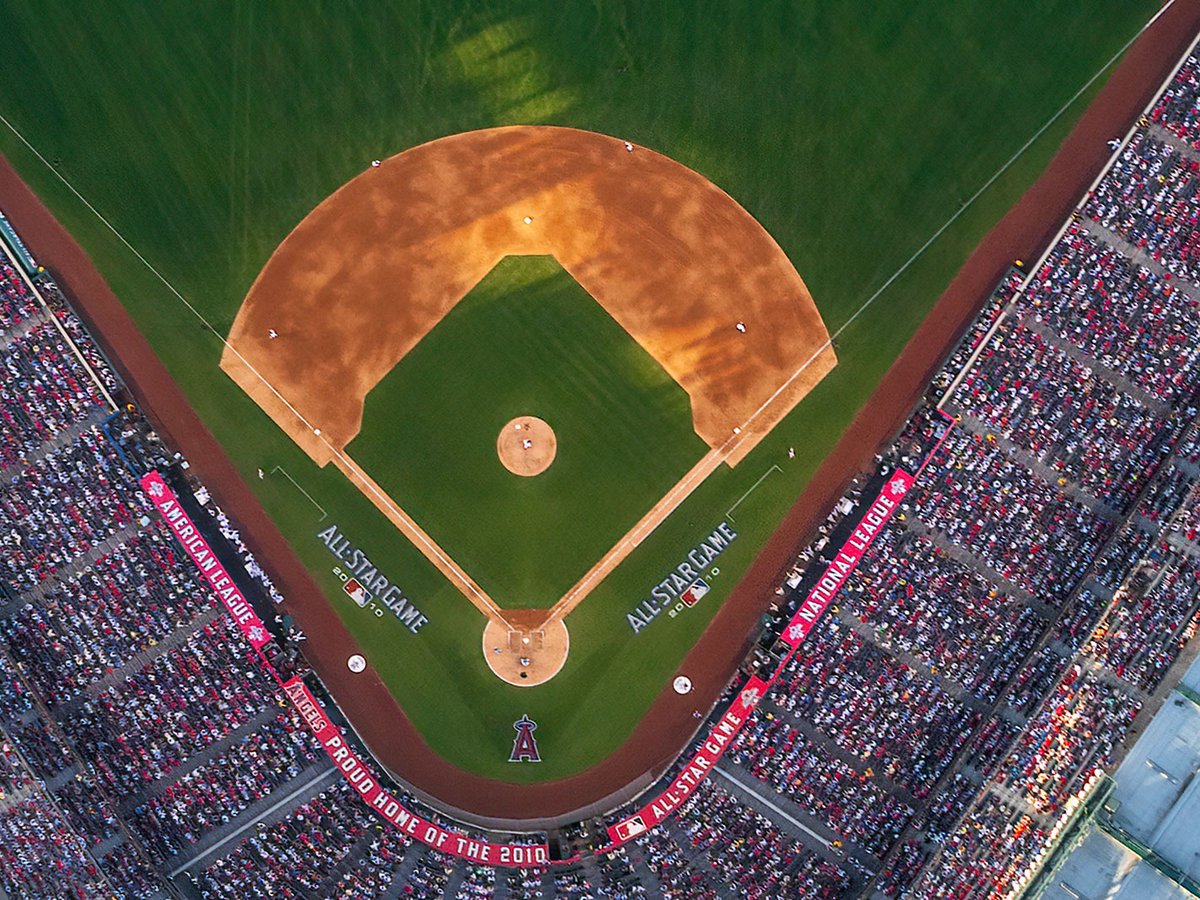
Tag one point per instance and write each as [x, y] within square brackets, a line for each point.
[346, 760]
[197, 548]
[430, 833]
[817, 601]
[392, 810]
[697, 768]
[848, 558]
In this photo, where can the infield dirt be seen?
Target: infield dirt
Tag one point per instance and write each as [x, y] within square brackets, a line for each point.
[686, 272]
[684, 269]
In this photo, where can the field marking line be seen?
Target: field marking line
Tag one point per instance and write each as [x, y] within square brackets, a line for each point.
[641, 530]
[157, 274]
[970, 201]
[727, 448]
[762, 478]
[284, 473]
[420, 539]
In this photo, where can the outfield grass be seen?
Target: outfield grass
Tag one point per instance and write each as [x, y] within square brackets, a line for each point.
[527, 340]
[851, 130]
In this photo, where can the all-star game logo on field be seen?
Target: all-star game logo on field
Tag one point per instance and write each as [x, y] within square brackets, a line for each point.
[366, 585]
[687, 583]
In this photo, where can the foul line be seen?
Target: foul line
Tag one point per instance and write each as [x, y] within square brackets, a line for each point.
[828, 344]
[731, 444]
[953, 218]
[633, 538]
[419, 538]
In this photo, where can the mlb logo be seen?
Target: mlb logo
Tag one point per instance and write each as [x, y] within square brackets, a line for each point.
[631, 828]
[357, 592]
[695, 591]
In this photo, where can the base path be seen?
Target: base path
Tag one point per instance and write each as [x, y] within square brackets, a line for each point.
[408, 526]
[662, 733]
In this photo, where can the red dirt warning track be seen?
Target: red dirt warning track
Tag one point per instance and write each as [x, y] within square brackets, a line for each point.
[668, 725]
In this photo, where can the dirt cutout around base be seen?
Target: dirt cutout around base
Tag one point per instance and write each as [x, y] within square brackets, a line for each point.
[530, 650]
[526, 446]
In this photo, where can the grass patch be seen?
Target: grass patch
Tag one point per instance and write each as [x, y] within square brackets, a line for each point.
[527, 340]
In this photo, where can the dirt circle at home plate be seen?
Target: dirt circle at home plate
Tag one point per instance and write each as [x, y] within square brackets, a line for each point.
[526, 446]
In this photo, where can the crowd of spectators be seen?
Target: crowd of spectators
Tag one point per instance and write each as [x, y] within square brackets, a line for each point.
[842, 797]
[752, 855]
[1178, 109]
[716, 842]
[93, 623]
[59, 508]
[1028, 592]
[1065, 413]
[1146, 629]
[1149, 199]
[958, 623]
[219, 791]
[144, 728]
[1021, 527]
[982, 860]
[296, 857]
[874, 706]
[1070, 737]
[1132, 321]
[41, 396]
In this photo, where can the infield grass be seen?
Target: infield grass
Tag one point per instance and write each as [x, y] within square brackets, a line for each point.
[527, 340]
[851, 130]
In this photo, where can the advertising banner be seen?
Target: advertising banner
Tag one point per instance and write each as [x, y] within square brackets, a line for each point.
[387, 807]
[847, 558]
[197, 548]
[697, 768]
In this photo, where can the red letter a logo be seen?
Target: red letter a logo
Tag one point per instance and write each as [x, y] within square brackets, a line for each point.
[525, 747]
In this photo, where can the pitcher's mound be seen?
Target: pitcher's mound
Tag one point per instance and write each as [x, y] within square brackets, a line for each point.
[526, 446]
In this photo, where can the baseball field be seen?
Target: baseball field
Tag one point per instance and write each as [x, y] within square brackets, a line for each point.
[852, 132]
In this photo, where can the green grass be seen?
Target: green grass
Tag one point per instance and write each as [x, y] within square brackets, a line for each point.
[851, 130]
[527, 340]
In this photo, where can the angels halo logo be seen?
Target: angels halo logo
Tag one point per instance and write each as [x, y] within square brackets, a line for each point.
[525, 748]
